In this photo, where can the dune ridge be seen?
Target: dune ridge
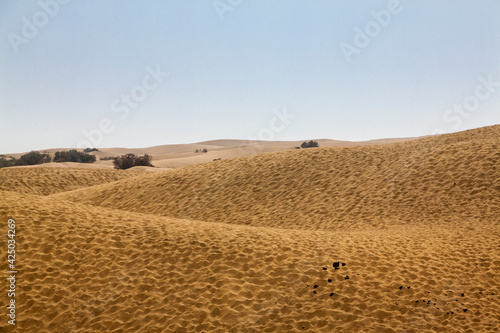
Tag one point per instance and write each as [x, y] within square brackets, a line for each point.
[91, 269]
[180, 155]
[249, 244]
[48, 180]
[445, 178]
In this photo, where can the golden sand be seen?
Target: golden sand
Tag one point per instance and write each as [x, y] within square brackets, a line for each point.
[426, 181]
[48, 180]
[180, 155]
[248, 244]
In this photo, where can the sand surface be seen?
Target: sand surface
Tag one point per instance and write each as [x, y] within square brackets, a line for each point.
[431, 180]
[180, 155]
[248, 244]
[42, 180]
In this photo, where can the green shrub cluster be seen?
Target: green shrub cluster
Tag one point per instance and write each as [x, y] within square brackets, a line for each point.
[34, 157]
[310, 144]
[30, 158]
[130, 160]
[73, 156]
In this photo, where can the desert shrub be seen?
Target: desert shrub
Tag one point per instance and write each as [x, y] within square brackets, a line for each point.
[124, 162]
[204, 150]
[32, 158]
[130, 160]
[73, 156]
[89, 150]
[107, 158]
[143, 160]
[7, 162]
[310, 144]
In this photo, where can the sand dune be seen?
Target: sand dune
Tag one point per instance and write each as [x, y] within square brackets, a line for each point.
[47, 180]
[180, 155]
[88, 269]
[445, 178]
[248, 244]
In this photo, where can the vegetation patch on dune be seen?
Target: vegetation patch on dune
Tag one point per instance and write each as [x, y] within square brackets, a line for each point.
[128, 161]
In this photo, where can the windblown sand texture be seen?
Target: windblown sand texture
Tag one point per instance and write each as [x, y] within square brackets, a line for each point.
[248, 244]
[179, 155]
[46, 180]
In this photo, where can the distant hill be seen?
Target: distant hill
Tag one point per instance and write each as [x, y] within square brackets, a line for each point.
[179, 155]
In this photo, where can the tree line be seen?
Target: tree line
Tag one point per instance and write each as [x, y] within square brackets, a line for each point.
[35, 157]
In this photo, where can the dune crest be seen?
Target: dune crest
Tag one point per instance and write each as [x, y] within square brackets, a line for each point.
[91, 269]
[448, 177]
[49, 180]
[401, 237]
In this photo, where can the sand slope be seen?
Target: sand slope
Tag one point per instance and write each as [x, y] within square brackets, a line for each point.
[180, 155]
[49, 180]
[88, 269]
[444, 179]
[248, 244]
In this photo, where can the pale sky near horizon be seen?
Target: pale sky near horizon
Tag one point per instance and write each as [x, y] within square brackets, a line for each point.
[68, 68]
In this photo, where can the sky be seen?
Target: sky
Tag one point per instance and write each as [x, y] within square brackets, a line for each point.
[134, 73]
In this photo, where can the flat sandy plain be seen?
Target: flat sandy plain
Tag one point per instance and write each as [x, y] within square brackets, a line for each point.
[247, 244]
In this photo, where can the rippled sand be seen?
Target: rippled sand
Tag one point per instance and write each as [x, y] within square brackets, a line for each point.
[248, 244]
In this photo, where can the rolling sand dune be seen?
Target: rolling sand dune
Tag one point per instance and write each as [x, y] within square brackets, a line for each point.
[249, 244]
[445, 178]
[180, 155]
[48, 180]
[87, 269]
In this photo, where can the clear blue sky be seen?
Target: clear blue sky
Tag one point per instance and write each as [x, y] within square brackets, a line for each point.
[65, 67]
